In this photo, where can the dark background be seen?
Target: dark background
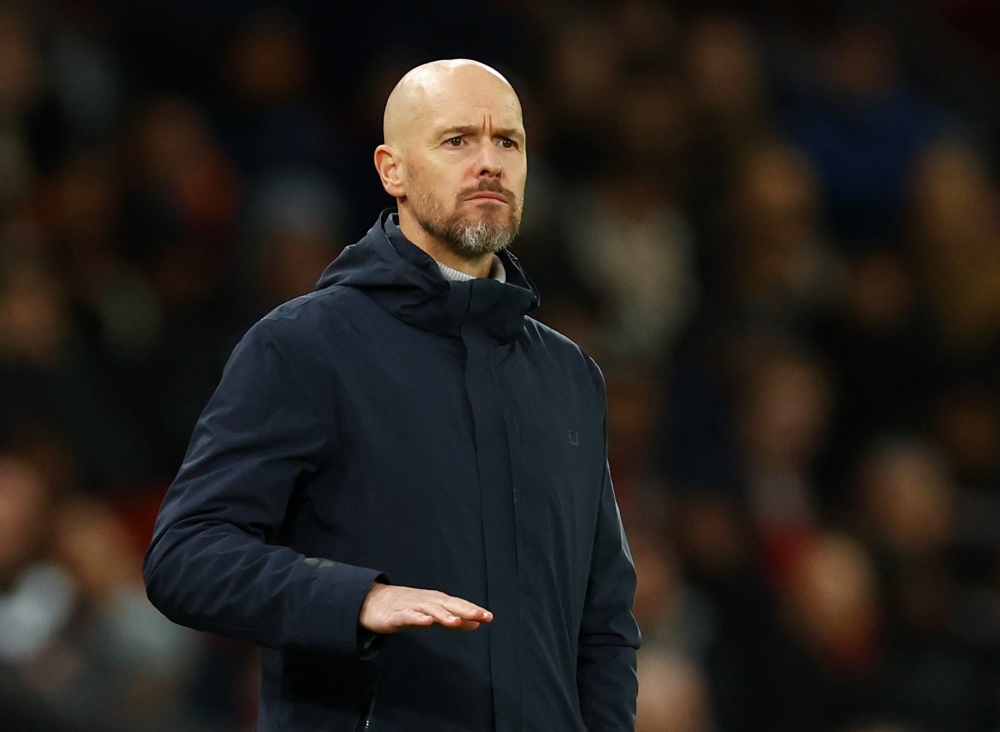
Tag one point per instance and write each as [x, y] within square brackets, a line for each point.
[774, 224]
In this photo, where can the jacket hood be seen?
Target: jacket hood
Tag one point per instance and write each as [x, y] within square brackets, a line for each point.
[406, 282]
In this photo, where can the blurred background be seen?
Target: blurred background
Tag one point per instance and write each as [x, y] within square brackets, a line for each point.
[775, 224]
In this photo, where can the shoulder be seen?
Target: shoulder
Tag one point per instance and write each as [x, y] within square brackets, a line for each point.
[565, 352]
[311, 316]
[317, 305]
[295, 329]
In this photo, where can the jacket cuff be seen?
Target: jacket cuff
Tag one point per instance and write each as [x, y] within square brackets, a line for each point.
[370, 642]
[331, 619]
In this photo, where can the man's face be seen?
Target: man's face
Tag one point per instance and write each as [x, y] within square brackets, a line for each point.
[465, 164]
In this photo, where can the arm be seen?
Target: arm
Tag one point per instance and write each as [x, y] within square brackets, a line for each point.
[605, 673]
[215, 562]
[609, 637]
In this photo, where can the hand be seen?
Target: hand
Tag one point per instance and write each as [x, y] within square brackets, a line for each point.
[390, 609]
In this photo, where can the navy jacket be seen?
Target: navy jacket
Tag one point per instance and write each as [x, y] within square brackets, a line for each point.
[395, 424]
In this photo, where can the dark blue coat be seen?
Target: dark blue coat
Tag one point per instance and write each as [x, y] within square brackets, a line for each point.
[394, 423]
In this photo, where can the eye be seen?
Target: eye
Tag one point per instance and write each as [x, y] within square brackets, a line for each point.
[453, 141]
[508, 144]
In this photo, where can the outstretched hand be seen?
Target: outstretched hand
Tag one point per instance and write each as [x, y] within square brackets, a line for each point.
[390, 609]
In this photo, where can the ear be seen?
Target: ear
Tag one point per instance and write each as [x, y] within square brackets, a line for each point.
[389, 164]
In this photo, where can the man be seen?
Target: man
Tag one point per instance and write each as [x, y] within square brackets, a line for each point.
[405, 448]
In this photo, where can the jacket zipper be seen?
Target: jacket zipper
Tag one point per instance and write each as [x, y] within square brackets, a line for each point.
[366, 720]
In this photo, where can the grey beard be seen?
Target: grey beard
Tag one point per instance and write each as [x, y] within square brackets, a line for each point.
[470, 239]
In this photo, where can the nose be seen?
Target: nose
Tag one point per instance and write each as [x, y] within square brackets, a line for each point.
[488, 161]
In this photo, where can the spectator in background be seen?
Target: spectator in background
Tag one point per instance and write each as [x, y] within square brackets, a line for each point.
[823, 666]
[864, 130]
[726, 77]
[633, 246]
[876, 340]
[181, 225]
[20, 87]
[673, 616]
[648, 33]
[729, 116]
[629, 240]
[908, 500]
[779, 270]
[77, 635]
[782, 426]
[634, 394]
[673, 696]
[36, 595]
[86, 89]
[119, 661]
[285, 143]
[116, 311]
[957, 246]
[46, 377]
[966, 424]
[178, 172]
[293, 230]
[583, 83]
[272, 120]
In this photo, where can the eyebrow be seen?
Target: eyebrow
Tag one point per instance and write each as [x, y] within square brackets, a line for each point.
[510, 132]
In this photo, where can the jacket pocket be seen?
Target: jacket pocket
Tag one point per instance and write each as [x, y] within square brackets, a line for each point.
[327, 679]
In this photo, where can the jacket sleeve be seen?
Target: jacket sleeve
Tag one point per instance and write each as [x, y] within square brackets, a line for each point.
[216, 562]
[609, 636]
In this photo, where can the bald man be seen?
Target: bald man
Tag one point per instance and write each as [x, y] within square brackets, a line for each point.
[399, 490]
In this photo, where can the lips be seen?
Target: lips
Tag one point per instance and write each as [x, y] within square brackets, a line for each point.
[488, 196]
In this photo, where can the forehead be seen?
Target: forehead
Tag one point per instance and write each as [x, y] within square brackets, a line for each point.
[469, 100]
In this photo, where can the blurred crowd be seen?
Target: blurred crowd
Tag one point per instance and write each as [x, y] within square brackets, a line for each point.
[777, 233]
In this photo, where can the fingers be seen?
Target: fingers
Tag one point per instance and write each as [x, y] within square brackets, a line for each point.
[467, 610]
[441, 615]
[410, 617]
[452, 612]
[457, 614]
[418, 619]
[389, 609]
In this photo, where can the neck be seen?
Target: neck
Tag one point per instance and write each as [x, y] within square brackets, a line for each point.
[476, 265]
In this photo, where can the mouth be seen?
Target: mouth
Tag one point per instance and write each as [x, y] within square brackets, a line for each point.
[488, 196]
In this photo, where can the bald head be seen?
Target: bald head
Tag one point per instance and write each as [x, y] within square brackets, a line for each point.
[433, 89]
[454, 159]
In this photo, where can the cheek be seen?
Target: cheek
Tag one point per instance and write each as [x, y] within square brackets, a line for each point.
[517, 183]
[433, 186]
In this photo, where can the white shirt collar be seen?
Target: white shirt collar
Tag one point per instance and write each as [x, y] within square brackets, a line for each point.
[497, 272]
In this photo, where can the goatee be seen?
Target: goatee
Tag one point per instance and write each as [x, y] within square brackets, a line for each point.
[469, 237]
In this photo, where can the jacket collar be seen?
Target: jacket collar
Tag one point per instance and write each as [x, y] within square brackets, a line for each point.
[407, 282]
